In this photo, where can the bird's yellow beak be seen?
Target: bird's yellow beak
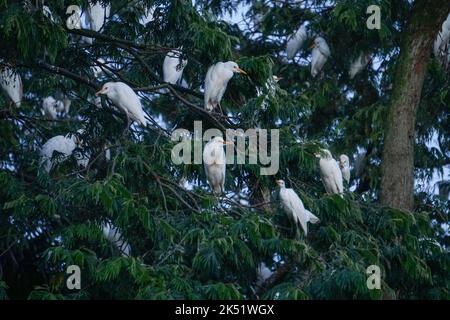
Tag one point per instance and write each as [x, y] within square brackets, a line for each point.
[99, 92]
[278, 182]
[313, 45]
[239, 70]
[227, 142]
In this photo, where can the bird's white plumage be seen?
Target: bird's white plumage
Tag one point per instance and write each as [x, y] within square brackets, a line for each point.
[296, 41]
[11, 83]
[319, 56]
[216, 82]
[113, 235]
[173, 66]
[62, 144]
[97, 15]
[344, 164]
[330, 173]
[358, 65]
[126, 99]
[49, 107]
[214, 162]
[441, 47]
[263, 273]
[294, 207]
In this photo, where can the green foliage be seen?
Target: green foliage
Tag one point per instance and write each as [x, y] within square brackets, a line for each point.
[185, 242]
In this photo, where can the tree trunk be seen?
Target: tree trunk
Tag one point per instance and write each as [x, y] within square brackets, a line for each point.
[397, 169]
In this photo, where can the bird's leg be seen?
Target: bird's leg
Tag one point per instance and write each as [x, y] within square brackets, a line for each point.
[220, 108]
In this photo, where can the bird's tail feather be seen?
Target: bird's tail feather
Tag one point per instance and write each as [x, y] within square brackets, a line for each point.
[312, 218]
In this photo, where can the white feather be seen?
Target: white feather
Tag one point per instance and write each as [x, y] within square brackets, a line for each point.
[113, 235]
[442, 39]
[173, 66]
[62, 144]
[320, 54]
[358, 65]
[344, 164]
[49, 107]
[214, 162]
[331, 174]
[126, 99]
[97, 15]
[296, 41]
[263, 273]
[216, 82]
[294, 207]
[11, 83]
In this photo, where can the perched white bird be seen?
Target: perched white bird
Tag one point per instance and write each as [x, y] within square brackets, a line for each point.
[296, 41]
[441, 48]
[49, 107]
[330, 172]
[214, 161]
[62, 144]
[113, 235]
[294, 207]
[359, 64]
[262, 274]
[173, 66]
[320, 54]
[126, 99]
[11, 83]
[97, 15]
[344, 164]
[216, 82]
[65, 106]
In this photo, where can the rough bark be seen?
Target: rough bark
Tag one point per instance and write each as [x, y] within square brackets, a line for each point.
[397, 169]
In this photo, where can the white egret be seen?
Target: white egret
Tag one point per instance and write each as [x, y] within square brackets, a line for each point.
[330, 172]
[216, 82]
[64, 145]
[262, 274]
[113, 235]
[173, 66]
[296, 41]
[65, 106]
[359, 64]
[344, 164]
[214, 162]
[49, 107]
[441, 46]
[320, 54]
[11, 83]
[125, 99]
[97, 15]
[294, 207]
